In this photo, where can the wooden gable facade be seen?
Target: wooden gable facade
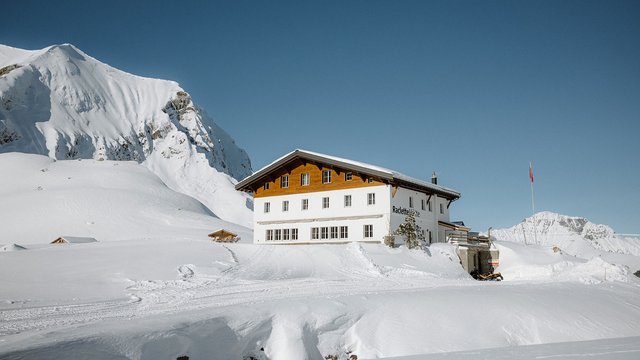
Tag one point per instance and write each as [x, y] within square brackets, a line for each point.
[272, 185]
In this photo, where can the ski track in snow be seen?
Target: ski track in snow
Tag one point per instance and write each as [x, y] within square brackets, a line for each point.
[193, 291]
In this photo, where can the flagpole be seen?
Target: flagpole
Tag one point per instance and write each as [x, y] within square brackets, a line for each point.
[533, 205]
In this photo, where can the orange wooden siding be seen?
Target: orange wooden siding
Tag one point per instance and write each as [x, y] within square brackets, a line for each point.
[338, 181]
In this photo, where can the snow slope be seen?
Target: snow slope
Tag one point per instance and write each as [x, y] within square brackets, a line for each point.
[216, 301]
[627, 348]
[43, 199]
[154, 286]
[62, 103]
[520, 262]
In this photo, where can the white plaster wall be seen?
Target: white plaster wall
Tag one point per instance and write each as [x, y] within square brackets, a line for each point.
[444, 216]
[336, 215]
[427, 220]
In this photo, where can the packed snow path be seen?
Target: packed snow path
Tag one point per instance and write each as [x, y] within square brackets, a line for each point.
[269, 273]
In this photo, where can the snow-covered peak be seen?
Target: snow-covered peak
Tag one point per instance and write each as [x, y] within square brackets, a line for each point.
[575, 235]
[63, 103]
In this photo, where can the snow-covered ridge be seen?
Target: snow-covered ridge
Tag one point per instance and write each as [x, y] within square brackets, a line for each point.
[575, 235]
[105, 200]
[62, 103]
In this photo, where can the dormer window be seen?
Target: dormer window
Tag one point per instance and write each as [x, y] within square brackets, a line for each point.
[348, 176]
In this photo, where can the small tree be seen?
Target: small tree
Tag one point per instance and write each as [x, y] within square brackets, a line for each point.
[408, 229]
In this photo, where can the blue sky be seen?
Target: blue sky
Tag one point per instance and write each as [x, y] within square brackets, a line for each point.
[471, 89]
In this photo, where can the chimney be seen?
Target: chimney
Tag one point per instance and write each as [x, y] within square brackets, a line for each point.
[434, 178]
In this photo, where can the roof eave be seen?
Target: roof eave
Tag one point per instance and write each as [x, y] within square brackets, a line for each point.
[446, 193]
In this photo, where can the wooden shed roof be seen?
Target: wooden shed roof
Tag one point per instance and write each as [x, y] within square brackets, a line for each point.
[223, 233]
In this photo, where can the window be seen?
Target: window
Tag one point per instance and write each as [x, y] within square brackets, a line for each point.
[371, 198]
[284, 181]
[294, 234]
[304, 179]
[326, 176]
[348, 176]
[430, 237]
[267, 207]
[370, 180]
[269, 236]
[347, 200]
[410, 202]
[305, 204]
[334, 232]
[266, 186]
[430, 205]
[285, 234]
[324, 232]
[314, 234]
[422, 204]
[344, 232]
[285, 205]
[441, 208]
[368, 231]
[278, 234]
[325, 202]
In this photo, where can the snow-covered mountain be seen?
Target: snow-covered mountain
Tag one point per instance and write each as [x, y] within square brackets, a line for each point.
[575, 235]
[62, 103]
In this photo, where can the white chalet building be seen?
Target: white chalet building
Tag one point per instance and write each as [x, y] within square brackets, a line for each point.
[307, 197]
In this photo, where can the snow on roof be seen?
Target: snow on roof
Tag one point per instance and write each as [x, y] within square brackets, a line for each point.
[11, 247]
[74, 240]
[350, 164]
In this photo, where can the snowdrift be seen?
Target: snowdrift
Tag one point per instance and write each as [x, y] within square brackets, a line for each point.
[538, 263]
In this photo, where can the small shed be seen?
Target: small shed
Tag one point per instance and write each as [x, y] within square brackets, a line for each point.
[73, 240]
[11, 247]
[223, 235]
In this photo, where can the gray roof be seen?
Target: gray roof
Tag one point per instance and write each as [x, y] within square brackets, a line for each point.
[384, 174]
[78, 239]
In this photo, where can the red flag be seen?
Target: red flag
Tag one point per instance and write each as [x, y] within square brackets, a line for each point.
[530, 172]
